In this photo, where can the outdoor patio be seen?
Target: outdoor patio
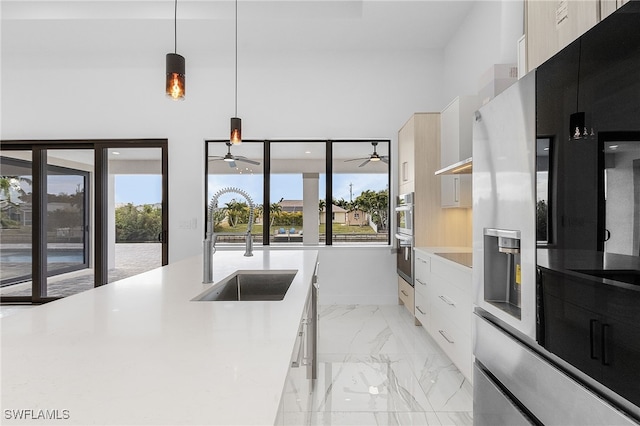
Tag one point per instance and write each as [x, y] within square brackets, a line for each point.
[130, 259]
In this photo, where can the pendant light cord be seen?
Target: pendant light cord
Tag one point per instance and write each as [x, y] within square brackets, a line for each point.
[175, 27]
[236, 86]
[578, 79]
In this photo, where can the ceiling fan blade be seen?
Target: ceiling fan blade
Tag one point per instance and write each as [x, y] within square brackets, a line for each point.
[364, 163]
[246, 160]
[217, 157]
[384, 159]
[232, 164]
[356, 159]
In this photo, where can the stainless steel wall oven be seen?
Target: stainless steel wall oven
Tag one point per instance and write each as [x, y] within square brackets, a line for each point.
[404, 236]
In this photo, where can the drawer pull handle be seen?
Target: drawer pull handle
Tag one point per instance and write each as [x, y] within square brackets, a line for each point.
[447, 301]
[605, 345]
[420, 281]
[420, 310]
[404, 292]
[445, 336]
[422, 260]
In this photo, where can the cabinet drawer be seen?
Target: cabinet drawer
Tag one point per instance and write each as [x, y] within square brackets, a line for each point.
[455, 275]
[422, 309]
[406, 294]
[422, 268]
[454, 303]
[455, 343]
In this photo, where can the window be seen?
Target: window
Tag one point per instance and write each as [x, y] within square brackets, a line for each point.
[231, 167]
[288, 182]
[297, 186]
[361, 192]
[543, 161]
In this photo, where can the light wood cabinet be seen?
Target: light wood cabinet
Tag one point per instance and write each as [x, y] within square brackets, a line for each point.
[552, 25]
[406, 146]
[419, 145]
[456, 145]
[419, 148]
[406, 295]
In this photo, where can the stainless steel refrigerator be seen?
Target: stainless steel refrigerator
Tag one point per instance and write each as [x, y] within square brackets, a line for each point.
[516, 380]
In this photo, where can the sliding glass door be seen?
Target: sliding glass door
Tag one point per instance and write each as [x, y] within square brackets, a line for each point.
[67, 221]
[135, 211]
[16, 180]
[63, 222]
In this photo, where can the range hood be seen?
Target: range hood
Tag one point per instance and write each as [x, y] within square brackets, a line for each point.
[459, 168]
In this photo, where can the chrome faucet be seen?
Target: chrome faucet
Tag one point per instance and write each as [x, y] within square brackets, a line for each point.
[210, 239]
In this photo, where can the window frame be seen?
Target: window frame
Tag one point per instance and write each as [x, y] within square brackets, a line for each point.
[266, 196]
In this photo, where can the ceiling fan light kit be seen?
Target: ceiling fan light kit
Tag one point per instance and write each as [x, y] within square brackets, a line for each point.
[231, 159]
[374, 157]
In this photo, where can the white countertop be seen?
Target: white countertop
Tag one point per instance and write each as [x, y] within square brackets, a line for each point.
[433, 251]
[139, 351]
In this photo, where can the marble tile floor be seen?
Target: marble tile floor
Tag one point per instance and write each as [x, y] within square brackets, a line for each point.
[375, 367]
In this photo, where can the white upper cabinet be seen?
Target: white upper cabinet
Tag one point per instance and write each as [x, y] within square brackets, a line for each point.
[456, 145]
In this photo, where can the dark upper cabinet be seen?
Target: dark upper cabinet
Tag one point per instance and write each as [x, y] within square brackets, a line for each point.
[595, 81]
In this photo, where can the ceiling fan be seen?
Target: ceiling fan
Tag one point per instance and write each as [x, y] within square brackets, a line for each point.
[231, 159]
[374, 157]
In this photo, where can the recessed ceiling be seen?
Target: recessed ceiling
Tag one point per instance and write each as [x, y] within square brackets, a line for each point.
[80, 31]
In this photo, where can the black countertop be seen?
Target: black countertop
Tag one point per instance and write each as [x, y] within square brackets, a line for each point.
[606, 268]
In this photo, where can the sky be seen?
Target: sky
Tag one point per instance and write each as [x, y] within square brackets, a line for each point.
[147, 189]
[138, 189]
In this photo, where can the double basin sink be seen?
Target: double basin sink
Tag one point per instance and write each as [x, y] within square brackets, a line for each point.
[250, 285]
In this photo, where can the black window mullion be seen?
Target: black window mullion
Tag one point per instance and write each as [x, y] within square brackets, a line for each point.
[100, 228]
[329, 194]
[39, 225]
[266, 196]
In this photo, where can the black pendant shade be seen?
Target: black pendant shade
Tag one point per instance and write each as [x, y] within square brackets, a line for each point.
[577, 125]
[175, 83]
[236, 131]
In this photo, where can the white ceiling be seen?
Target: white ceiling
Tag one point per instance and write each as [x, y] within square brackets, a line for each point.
[83, 31]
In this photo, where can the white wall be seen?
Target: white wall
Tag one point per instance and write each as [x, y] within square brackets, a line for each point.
[335, 95]
[358, 276]
[488, 36]
[328, 95]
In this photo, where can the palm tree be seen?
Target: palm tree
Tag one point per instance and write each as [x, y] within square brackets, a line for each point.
[236, 212]
[274, 210]
[321, 205]
[258, 211]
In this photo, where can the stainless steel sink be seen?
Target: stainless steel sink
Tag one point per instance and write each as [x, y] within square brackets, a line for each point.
[250, 286]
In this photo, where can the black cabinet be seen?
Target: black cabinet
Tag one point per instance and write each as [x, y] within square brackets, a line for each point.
[595, 327]
[573, 333]
[621, 362]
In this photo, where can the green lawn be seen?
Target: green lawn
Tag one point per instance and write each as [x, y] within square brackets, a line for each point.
[257, 229]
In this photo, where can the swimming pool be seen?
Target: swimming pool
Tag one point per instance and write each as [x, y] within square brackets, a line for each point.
[53, 256]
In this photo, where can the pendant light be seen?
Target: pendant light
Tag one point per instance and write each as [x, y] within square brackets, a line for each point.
[175, 81]
[236, 123]
[577, 120]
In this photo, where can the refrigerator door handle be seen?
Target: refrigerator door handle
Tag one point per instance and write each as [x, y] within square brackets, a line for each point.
[592, 338]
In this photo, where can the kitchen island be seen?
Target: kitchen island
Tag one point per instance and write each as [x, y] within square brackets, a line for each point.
[140, 351]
